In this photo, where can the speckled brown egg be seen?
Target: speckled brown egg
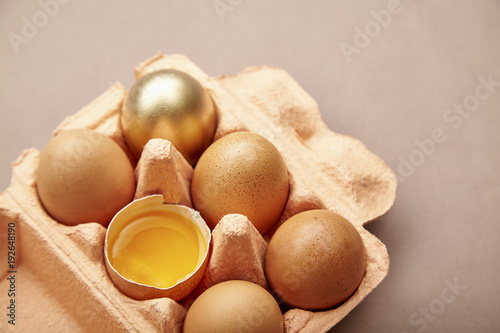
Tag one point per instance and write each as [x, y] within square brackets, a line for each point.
[241, 173]
[234, 306]
[84, 176]
[315, 260]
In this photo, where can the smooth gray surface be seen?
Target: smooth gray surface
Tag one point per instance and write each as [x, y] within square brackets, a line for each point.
[399, 88]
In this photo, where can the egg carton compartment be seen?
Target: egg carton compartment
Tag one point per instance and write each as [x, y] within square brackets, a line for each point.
[62, 280]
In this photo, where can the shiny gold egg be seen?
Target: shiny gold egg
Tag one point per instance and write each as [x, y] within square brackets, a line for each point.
[172, 105]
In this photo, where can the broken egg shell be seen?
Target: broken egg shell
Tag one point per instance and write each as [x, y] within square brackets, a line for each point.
[134, 211]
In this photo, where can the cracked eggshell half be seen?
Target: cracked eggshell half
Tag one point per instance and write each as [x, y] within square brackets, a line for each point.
[154, 250]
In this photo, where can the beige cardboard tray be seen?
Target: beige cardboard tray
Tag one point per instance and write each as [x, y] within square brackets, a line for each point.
[61, 283]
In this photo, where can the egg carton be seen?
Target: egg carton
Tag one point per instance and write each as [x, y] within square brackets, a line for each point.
[61, 280]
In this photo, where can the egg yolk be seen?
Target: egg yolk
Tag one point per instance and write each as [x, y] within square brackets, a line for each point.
[158, 249]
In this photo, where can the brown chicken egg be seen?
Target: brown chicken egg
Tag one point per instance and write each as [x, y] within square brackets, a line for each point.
[315, 260]
[241, 173]
[234, 306]
[84, 176]
[172, 105]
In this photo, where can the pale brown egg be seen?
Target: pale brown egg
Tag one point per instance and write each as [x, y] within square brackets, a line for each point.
[234, 306]
[315, 260]
[84, 176]
[241, 173]
[172, 105]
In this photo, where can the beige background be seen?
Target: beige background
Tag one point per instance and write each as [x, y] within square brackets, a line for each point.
[396, 89]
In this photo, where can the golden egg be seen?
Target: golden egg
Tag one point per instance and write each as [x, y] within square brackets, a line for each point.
[315, 260]
[172, 105]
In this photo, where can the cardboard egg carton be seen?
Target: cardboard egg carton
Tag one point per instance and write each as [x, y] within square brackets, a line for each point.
[62, 283]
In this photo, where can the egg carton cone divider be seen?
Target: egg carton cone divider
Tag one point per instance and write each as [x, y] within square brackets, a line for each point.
[61, 269]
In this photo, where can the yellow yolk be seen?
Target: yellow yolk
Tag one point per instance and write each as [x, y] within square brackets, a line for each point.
[158, 249]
